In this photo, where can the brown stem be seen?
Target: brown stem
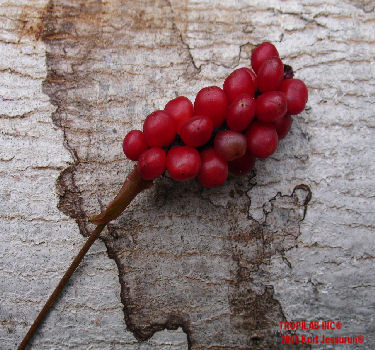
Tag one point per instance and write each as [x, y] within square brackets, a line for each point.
[133, 185]
[92, 238]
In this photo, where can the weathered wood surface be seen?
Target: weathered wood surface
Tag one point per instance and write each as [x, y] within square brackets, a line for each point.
[223, 266]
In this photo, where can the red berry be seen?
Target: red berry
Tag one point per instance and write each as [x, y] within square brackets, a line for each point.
[151, 163]
[237, 83]
[183, 163]
[241, 113]
[197, 131]
[270, 106]
[262, 139]
[212, 102]
[296, 95]
[270, 75]
[283, 126]
[214, 170]
[242, 165]
[252, 75]
[180, 109]
[230, 145]
[159, 129]
[261, 53]
[134, 144]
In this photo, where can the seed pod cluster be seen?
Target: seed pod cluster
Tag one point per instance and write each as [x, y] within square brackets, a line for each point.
[226, 129]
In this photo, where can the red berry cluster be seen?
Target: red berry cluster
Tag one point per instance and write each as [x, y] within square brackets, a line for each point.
[226, 129]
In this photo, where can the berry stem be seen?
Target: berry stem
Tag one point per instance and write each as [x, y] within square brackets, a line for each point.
[133, 185]
[51, 300]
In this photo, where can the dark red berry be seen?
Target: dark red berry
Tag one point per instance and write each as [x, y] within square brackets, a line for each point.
[252, 75]
[212, 102]
[197, 130]
[151, 163]
[288, 72]
[261, 53]
[270, 75]
[243, 165]
[214, 170]
[183, 163]
[296, 95]
[283, 126]
[241, 113]
[237, 83]
[180, 109]
[134, 144]
[270, 106]
[262, 139]
[159, 129]
[230, 145]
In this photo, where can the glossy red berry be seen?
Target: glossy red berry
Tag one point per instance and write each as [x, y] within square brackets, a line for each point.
[237, 83]
[242, 165]
[270, 75]
[262, 139]
[212, 102]
[134, 144]
[283, 126]
[180, 109]
[261, 53]
[270, 106]
[230, 145]
[197, 131]
[252, 75]
[183, 163]
[214, 170]
[151, 163]
[241, 113]
[159, 129]
[296, 95]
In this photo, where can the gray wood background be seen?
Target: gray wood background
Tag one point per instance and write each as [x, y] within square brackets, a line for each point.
[183, 267]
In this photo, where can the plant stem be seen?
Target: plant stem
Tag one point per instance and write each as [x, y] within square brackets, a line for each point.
[51, 300]
[133, 185]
